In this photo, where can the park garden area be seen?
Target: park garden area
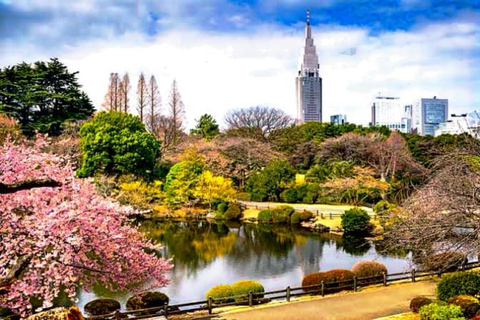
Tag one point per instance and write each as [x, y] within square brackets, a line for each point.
[108, 204]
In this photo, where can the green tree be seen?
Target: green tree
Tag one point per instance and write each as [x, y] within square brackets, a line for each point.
[182, 179]
[355, 221]
[117, 143]
[206, 128]
[42, 96]
[267, 184]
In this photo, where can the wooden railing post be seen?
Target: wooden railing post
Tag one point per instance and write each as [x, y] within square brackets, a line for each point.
[165, 309]
[209, 304]
[288, 294]
[413, 275]
[250, 298]
[384, 278]
[322, 215]
[317, 213]
[323, 289]
[117, 315]
[354, 283]
[330, 215]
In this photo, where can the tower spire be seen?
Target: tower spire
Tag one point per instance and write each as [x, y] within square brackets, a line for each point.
[308, 17]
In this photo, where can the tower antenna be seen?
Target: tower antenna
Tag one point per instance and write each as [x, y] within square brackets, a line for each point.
[308, 16]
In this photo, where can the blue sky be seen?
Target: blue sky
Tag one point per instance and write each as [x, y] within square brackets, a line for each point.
[406, 48]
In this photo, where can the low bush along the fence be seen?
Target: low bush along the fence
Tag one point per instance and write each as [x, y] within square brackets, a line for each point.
[223, 292]
[458, 283]
[328, 278]
[369, 268]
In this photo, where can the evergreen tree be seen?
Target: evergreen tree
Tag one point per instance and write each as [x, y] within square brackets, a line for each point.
[42, 96]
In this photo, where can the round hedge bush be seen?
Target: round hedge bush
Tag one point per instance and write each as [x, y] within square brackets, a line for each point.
[281, 214]
[295, 218]
[418, 302]
[289, 196]
[355, 221]
[369, 268]
[233, 212]
[435, 311]
[147, 299]
[242, 287]
[327, 277]
[306, 215]
[265, 215]
[458, 283]
[469, 305]
[220, 293]
[102, 306]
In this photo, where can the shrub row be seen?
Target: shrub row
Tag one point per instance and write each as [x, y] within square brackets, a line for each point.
[223, 292]
[360, 269]
[283, 214]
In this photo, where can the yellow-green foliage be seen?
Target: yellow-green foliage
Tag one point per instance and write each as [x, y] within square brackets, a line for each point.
[140, 194]
[243, 287]
[220, 293]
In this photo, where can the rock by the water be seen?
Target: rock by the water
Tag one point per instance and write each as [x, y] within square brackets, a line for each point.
[72, 313]
[99, 307]
[315, 226]
[147, 299]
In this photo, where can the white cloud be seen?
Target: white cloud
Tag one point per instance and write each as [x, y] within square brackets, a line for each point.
[218, 72]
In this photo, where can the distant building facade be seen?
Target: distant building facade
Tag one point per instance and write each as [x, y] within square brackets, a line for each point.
[338, 119]
[309, 82]
[391, 112]
[462, 123]
[428, 114]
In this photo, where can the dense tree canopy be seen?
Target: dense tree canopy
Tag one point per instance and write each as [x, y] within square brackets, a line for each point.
[268, 183]
[57, 233]
[117, 143]
[206, 127]
[42, 96]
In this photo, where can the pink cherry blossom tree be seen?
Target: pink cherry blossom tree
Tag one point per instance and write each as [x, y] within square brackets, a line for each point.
[57, 233]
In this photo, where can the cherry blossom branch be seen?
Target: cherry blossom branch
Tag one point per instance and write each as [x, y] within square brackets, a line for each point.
[28, 184]
[15, 272]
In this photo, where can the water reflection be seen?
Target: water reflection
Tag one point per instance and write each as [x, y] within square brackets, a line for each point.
[207, 254]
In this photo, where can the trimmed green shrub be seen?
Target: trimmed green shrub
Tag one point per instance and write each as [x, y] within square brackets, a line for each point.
[242, 287]
[220, 293]
[355, 221]
[222, 207]
[458, 283]
[289, 196]
[295, 218]
[306, 215]
[99, 307]
[147, 299]
[369, 268]
[445, 261]
[234, 211]
[265, 216]
[469, 305]
[281, 214]
[328, 277]
[419, 302]
[434, 311]
[243, 196]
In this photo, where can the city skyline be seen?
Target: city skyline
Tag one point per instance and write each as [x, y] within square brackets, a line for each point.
[236, 54]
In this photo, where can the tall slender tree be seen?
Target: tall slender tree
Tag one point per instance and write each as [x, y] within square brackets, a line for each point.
[154, 105]
[142, 96]
[177, 111]
[112, 98]
[124, 90]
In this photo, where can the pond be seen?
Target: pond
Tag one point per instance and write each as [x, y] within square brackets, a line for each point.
[206, 254]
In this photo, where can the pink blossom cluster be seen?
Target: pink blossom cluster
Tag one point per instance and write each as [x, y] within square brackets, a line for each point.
[71, 235]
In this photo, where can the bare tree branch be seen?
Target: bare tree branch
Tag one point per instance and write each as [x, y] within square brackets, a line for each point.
[28, 184]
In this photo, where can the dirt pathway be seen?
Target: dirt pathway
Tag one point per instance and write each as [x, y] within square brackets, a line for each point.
[369, 304]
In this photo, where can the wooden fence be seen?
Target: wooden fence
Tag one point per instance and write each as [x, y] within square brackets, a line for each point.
[252, 299]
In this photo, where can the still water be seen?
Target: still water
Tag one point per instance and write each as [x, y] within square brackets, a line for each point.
[206, 254]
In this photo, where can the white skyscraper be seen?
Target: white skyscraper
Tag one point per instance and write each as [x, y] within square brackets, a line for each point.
[309, 83]
[391, 112]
